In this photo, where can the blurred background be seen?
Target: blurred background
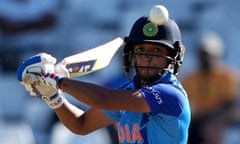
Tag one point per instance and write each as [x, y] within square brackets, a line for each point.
[66, 27]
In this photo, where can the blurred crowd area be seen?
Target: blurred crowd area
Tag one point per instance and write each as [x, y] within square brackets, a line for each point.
[66, 27]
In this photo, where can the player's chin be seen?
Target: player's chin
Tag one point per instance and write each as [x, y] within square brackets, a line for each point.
[144, 72]
[148, 79]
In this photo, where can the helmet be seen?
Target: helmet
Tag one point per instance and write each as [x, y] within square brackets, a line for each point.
[167, 34]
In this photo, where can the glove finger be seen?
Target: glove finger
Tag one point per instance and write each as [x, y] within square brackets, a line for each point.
[32, 93]
[39, 60]
[22, 69]
[30, 81]
[42, 87]
[35, 70]
[41, 70]
[31, 78]
[36, 90]
[62, 70]
[29, 88]
[47, 58]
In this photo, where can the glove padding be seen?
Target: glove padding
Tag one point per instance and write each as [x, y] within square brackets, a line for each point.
[39, 86]
[38, 64]
[42, 65]
[53, 77]
[38, 76]
[52, 96]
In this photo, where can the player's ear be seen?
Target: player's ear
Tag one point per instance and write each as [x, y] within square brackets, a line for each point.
[127, 58]
[127, 55]
[180, 51]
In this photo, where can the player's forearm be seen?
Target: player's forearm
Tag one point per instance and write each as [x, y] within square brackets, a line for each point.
[87, 93]
[104, 98]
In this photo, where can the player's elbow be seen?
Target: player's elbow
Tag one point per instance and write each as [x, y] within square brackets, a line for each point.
[80, 131]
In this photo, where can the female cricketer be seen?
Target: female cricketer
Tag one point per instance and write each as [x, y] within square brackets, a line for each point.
[152, 108]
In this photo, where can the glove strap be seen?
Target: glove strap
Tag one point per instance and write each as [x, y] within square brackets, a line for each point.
[54, 101]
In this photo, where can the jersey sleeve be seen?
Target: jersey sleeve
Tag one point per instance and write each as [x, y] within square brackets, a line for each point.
[164, 99]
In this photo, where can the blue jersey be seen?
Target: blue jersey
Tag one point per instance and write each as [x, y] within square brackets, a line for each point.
[168, 121]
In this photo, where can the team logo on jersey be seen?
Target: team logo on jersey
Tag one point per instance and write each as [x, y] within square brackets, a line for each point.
[129, 134]
[150, 29]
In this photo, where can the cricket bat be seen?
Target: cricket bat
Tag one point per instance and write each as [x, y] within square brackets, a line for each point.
[90, 60]
[93, 59]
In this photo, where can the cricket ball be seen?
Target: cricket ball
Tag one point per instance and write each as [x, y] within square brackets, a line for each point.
[158, 14]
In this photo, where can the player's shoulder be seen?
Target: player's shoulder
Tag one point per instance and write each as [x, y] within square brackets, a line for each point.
[169, 87]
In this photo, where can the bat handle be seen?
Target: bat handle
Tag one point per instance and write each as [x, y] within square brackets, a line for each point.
[29, 78]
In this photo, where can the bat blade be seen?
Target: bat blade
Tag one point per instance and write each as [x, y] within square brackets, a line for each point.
[93, 59]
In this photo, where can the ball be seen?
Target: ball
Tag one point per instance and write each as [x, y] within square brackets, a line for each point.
[158, 14]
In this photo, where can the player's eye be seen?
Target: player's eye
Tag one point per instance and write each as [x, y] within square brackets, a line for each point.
[156, 50]
[160, 51]
[139, 49]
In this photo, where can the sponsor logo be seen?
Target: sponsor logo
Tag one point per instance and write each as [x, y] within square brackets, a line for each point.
[81, 67]
[156, 95]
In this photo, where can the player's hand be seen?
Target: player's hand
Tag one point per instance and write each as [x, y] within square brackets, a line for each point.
[42, 88]
[42, 64]
[38, 76]
[36, 64]
[61, 70]
[39, 64]
[51, 78]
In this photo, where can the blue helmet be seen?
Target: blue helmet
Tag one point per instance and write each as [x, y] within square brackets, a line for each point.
[168, 35]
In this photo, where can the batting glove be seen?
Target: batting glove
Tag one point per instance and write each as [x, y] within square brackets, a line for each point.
[38, 64]
[38, 77]
[42, 88]
[46, 86]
